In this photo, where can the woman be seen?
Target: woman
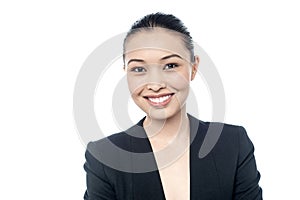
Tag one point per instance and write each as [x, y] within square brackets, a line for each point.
[158, 158]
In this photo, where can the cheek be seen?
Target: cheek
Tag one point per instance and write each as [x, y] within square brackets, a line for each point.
[135, 84]
[178, 81]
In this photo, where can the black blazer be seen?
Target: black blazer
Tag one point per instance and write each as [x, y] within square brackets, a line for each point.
[227, 172]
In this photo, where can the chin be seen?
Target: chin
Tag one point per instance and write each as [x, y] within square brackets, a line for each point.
[161, 114]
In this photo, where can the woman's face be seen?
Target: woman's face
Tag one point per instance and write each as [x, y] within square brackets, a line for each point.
[159, 72]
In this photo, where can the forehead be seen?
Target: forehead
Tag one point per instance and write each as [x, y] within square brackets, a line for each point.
[155, 41]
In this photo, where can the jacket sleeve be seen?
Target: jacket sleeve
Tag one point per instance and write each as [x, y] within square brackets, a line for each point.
[98, 185]
[247, 176]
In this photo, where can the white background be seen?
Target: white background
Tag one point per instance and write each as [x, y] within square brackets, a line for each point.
[254, 45]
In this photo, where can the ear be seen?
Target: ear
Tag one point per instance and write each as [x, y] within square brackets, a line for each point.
[195, 67]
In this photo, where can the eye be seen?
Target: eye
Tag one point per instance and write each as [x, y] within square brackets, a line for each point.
[170, 66]
[138, 69]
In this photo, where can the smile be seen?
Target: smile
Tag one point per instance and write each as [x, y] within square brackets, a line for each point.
[159, 100]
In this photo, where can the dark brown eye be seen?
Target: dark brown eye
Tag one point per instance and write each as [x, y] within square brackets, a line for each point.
[170, 66]
[138, 69]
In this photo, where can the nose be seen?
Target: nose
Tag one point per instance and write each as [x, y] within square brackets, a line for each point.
[155, 79]
[155, 86]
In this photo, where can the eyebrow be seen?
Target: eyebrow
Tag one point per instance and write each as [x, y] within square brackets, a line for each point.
[170, 56]
[135, 60]
[163, 58]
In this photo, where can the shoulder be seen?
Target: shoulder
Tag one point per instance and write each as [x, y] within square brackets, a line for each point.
[122, 139]
[228, 144]
[108, 146]
[227, 133]
[119, 139]
[234, 135]
[230, 130]
[234, 144]
[233, 132]
[223, 138]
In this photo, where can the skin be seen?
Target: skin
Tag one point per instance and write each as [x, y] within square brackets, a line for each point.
[158, 65]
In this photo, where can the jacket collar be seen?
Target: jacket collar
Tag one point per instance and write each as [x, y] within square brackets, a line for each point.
[202, 176]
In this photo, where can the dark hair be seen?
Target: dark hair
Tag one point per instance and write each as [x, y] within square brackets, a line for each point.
[161, 20]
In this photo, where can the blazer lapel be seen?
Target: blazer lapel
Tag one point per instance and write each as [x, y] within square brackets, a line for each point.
[204, 178]
[146, 182]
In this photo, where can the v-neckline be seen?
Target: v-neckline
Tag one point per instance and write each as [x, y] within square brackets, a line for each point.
[194, 125]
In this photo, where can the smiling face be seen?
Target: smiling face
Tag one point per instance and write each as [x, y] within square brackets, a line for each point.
[159, 72]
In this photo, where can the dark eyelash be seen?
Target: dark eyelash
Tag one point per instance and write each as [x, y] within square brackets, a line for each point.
[137, 68]
[173, 64]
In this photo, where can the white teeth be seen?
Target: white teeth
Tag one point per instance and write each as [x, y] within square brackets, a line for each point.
[159, 99]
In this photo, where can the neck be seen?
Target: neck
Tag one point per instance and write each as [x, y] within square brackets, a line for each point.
[165, 130]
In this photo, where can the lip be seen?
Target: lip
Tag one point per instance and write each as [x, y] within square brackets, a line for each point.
[159, 100]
